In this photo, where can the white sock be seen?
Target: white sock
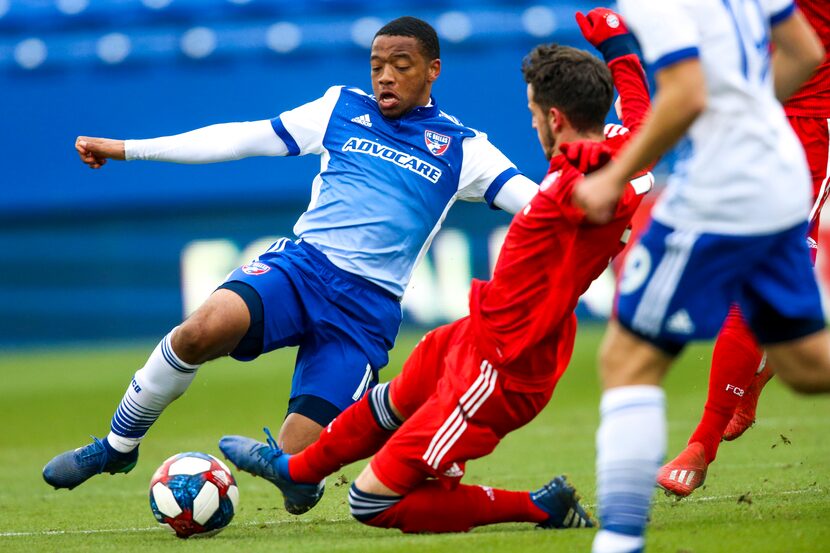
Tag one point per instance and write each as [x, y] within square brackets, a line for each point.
[162, 379]
[631, 444]
[611, 542]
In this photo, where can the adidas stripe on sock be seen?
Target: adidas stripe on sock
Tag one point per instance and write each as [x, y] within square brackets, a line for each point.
[162, 379]
[381, 407]
[365, 506]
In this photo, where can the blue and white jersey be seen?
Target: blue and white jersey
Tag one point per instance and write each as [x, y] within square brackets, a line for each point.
[385, 185]
[742, 170]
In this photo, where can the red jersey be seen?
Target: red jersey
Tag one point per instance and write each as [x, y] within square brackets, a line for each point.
[550, 256]
[813, 98]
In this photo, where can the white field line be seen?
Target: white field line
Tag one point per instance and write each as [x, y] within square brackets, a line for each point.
[314, 521]
[160, 527]
[710, 498]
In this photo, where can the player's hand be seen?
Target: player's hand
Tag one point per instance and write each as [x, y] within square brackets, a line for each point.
[95, 151]
[600, 25]
[598, 194]
[586, 155]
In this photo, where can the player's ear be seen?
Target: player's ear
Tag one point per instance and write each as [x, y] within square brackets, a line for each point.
[556, 120]
[433, 70]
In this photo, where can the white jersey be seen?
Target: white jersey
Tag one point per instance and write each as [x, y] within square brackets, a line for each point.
[740, 169]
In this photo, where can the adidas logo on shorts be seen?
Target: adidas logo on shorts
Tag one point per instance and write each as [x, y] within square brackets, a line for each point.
[680, 323]
[364, 120]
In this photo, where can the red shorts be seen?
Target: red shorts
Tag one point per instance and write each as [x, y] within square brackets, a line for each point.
[814, 134]
[458, 407]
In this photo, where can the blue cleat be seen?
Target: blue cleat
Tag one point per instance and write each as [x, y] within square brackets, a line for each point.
[73, 468]
[560, 500]
[269, 462]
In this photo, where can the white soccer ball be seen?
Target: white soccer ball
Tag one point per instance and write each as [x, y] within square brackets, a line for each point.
[194, 494]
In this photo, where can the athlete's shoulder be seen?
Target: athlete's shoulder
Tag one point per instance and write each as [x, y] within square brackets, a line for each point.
[453, 124]
[616, 136]
[351, 90]
[451, 118]
[352, 93]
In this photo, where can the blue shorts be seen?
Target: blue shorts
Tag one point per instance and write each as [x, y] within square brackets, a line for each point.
[677, 286]
[343, 324]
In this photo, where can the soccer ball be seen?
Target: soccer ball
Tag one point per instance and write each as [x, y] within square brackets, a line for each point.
[193, 494]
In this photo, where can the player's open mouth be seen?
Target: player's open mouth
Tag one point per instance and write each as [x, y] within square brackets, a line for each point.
[388, 100]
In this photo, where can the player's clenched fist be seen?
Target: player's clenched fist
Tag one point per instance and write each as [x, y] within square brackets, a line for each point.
[95, 151]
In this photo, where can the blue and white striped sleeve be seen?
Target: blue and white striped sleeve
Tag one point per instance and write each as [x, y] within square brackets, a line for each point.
[302, 129]
[666, 32]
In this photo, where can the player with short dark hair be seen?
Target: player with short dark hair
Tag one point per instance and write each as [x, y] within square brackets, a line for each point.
[418, 29]
[468, 384]
[559, 77]
[392, 164]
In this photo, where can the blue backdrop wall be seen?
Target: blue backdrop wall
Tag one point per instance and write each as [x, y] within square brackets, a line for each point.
[101, 254]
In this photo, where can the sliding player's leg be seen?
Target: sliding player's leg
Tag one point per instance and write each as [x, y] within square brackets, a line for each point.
[413, 482]
[433, 507]
[356, 433]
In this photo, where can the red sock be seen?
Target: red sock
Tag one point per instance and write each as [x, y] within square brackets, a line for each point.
[352, 436]
[735, 361]
[433, 508]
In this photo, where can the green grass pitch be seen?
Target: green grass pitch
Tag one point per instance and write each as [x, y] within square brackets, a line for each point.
[768, 492]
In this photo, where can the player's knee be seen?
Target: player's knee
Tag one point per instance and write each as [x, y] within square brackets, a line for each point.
[804, 365]
[803, 380]
[192, 340]
[371, 509]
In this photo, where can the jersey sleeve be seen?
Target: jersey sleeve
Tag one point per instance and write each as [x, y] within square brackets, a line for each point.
[666, 31]
[778, 11]
[484, 170]
[303, 128]
[630, 81]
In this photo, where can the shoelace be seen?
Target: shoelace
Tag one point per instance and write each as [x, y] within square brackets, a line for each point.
[274, 450]
[87, 455]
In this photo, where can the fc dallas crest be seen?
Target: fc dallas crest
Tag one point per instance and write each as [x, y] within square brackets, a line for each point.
[436, 143]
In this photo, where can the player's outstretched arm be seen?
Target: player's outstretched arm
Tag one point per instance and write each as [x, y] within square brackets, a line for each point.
[607, 32]
[798, 51]
[224, 142]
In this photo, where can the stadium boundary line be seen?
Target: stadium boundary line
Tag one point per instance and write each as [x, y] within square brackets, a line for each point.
[315, 521]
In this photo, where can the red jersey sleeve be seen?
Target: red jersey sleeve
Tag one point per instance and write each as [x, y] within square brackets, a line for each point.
[630, 81]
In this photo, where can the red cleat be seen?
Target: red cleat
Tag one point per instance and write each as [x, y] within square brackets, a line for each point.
[744, 415]
[685, 473]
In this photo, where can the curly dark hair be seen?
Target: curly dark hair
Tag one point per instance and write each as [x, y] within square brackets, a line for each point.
[571, 80]
[416, 28]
